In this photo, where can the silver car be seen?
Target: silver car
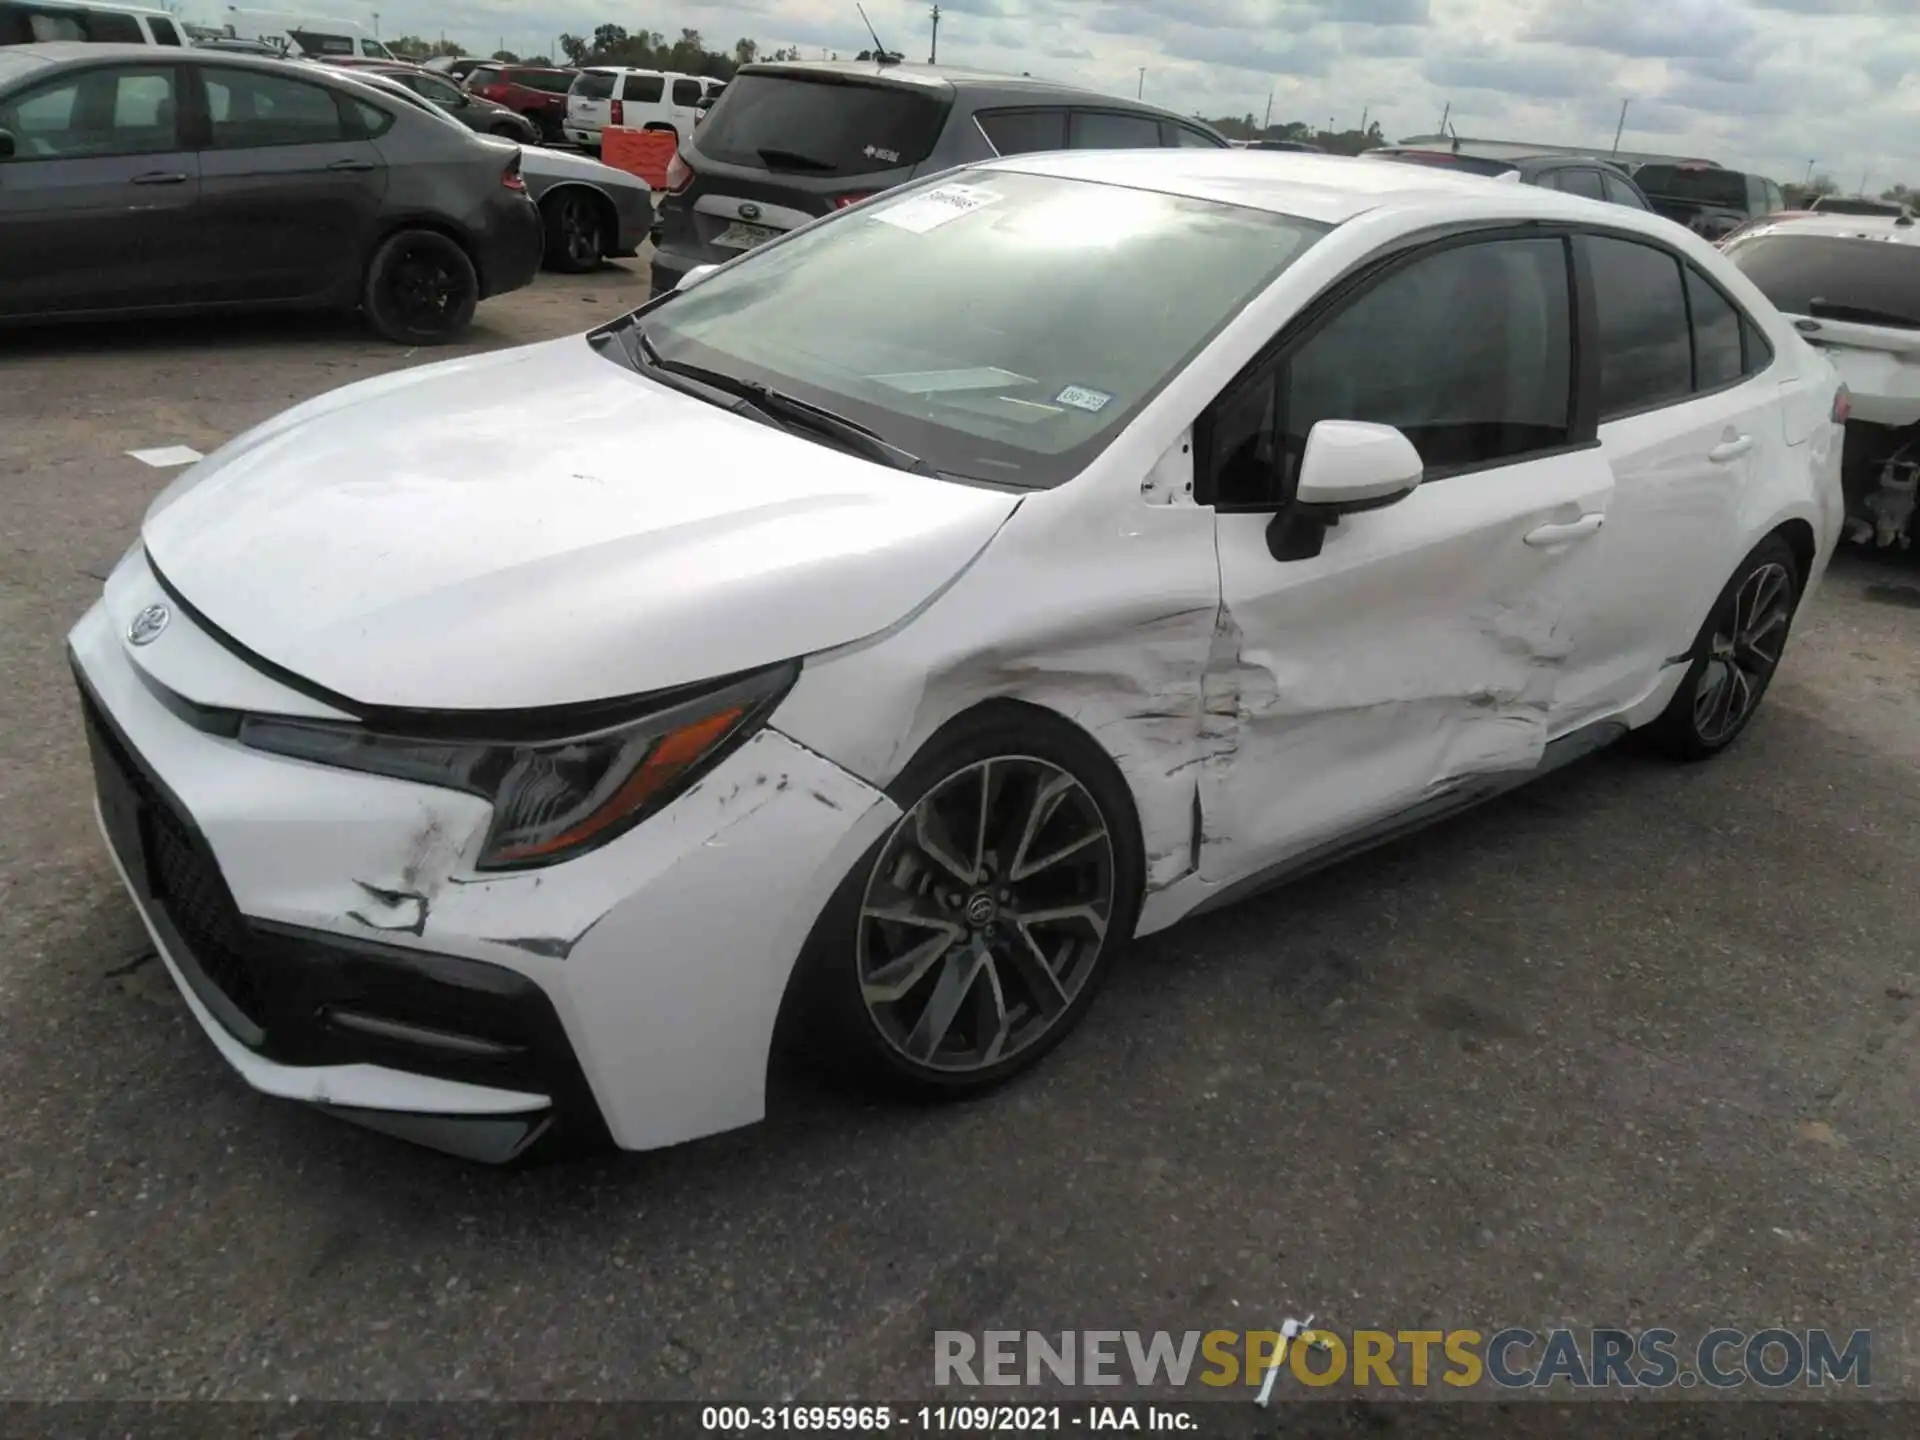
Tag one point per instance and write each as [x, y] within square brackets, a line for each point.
[592, 212]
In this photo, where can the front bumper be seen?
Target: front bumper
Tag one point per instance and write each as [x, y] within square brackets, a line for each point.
[328, 932]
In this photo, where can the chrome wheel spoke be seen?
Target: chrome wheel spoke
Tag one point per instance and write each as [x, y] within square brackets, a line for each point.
[1712, 681]
[930, 833]
[1046, 800]
[892, 981]
[957, 977]
[995, 1021]
[1037, 975]
[1087, 915]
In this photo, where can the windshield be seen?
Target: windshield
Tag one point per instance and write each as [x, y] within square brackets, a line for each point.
[1840, 275]
[822, 125]
[1003, 327]
[1702, 187]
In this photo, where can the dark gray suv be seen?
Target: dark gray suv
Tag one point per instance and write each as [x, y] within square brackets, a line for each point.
[791, 141]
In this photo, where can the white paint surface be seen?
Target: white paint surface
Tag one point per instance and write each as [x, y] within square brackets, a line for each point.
[167, 457]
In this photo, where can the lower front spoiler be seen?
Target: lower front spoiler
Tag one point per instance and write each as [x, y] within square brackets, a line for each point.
[489, 1123]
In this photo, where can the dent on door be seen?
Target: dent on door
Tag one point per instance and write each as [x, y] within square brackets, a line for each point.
[1423, 648]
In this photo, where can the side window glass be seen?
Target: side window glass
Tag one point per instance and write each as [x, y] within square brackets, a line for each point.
[105, 27]
[1185, 137]
[1022, 132]
[644, 89]
[1468, 351]
[250, 109]
[99, 113]
[1113, 130]
[1756, 351]
[1716, 334]
[1646, 354]
[1582, 182]
[1619, 192]
[163, 31]
[374, 121]
[686, 92]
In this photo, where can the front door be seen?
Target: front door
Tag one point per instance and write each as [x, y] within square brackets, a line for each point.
[290, 192]
[98, 201]
[1422, 648]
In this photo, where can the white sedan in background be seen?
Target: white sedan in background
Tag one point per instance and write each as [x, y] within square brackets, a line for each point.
[875, 634]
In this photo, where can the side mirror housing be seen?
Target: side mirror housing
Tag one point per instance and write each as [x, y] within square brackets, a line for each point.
[1348, 466]
[694, 276]
[6, 144]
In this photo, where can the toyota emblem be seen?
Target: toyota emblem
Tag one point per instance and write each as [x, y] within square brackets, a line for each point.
[148, 624]
[749, 211]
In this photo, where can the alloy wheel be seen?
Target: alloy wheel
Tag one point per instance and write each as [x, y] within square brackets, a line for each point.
[424, 288]
[1742, 654]
[580, 230]
[985, 914]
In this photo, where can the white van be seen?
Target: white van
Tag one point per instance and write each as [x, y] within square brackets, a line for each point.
[616, 95]
[305, 34]
[33, 22]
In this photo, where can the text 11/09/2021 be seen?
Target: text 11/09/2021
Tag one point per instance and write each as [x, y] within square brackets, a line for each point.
[942, 1419]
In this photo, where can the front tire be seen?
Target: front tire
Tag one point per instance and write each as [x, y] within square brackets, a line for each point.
[971, 938]
[421, 289]
[1734, 657]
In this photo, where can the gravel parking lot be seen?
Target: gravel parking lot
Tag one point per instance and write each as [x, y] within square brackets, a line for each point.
[1639, 1045]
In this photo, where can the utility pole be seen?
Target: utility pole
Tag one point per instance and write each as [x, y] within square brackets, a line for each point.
[1443, 117]
[1364, 111]
[1141, 89]
[376, 24]
[1619, 129]
[1267, 124]
[1863, 184]
[933, 55]
[1809, 180]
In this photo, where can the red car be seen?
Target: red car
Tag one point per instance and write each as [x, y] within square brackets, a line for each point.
[538, 92]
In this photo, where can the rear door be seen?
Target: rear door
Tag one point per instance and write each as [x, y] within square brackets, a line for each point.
[290, 186]
[1421, 650]
[99, 204]
[1686, 419]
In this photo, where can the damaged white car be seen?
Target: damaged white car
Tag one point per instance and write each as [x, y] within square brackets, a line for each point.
[1851, 285]
[874, 635]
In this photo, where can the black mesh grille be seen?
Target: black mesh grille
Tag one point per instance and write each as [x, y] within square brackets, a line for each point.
[185, 880]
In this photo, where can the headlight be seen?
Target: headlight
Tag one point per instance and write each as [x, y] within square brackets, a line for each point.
[552, 798]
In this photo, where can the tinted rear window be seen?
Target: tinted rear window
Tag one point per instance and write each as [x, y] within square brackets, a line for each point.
[1876, 281]
[105, 27]
[1440, 159]
[554, 82]
[808, 126]
[592, 85]
[1704, 187]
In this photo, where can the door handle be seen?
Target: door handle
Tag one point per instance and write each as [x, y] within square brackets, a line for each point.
[356, 165]
[1730, 449]
[160, 177]
[1573, 530]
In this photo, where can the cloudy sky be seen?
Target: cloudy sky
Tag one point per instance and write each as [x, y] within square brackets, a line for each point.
[1763, 84]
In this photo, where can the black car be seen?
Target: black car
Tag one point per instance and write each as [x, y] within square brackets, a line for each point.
[795, 139]
[1586, 175]
[1708, 199]
[135, 179]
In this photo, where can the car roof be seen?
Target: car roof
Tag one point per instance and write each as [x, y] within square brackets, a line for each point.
[1842, 227]
[17, 60]
[113, 6]
[1331, 189]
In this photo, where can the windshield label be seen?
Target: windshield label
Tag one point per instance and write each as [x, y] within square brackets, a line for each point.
[1082, 398]
[934, 208]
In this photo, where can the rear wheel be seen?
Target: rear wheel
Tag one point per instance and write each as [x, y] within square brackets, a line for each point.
[972, 936]
[576, 232]
[421, 289]
[1734, 657]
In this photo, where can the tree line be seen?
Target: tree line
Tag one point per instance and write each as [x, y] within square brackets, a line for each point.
[616, 45]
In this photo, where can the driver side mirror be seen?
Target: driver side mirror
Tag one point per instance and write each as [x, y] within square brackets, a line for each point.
[6, 144]
[1348, 466]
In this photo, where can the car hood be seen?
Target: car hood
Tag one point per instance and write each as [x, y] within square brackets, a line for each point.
[542, 526]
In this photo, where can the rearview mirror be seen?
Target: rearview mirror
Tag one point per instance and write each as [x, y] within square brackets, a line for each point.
[6, 144]
[694, 276]
[1348, 466]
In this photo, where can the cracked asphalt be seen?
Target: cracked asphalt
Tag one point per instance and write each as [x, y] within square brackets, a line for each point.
[1639, 1045]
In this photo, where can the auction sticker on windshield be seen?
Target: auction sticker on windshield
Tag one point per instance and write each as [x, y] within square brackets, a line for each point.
[934, 208]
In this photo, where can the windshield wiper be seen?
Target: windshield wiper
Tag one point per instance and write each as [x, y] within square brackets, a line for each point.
[1859, 314]
[789, 412]
[794, 160]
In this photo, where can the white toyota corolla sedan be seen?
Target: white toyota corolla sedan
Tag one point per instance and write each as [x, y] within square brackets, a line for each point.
[874, 635]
